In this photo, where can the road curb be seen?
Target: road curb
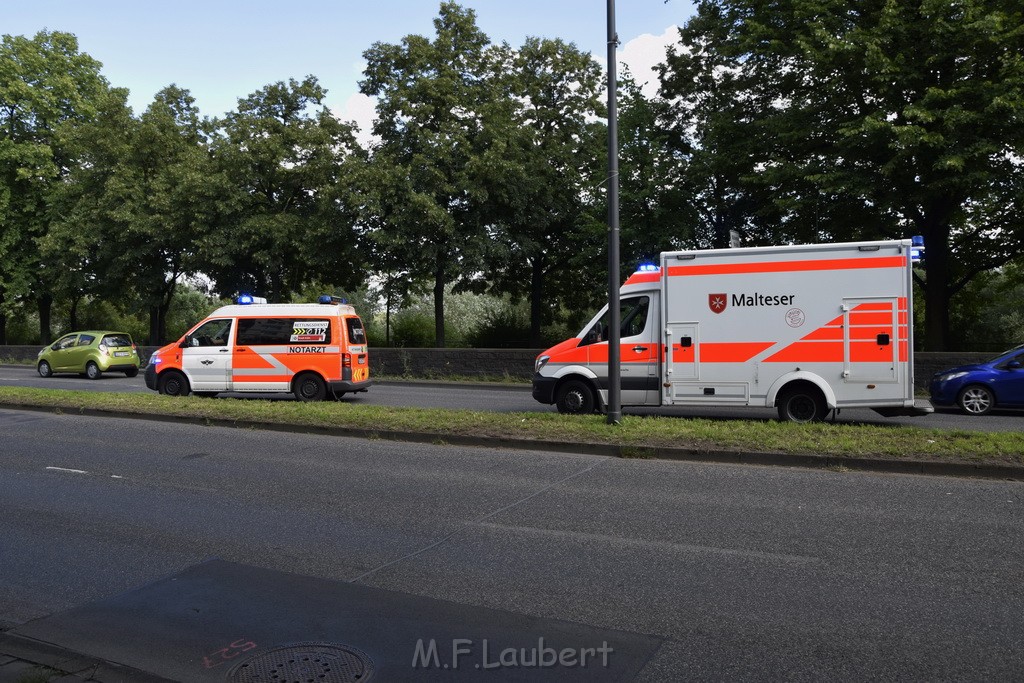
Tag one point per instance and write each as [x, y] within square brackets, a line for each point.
[74, 666]
[999, 471]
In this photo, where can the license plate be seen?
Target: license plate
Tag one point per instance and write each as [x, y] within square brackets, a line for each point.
[122, 353]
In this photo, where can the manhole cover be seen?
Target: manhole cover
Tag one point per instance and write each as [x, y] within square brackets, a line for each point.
[305, 663]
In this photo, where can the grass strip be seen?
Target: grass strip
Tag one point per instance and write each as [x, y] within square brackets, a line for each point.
[640, 433]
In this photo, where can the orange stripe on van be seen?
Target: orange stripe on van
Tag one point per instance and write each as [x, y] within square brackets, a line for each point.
[788, 266]
[858, 319]
[809, 352]
[869, 352]
[730, 352]
[825, 334]
[879, 306]
[641, 278]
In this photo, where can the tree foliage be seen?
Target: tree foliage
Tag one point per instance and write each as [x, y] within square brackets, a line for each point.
[858, 121]
[288, 215]
[46, 88]
[432, 99]
[543, 169]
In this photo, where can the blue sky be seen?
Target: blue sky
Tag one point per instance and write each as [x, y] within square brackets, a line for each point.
[221, 51]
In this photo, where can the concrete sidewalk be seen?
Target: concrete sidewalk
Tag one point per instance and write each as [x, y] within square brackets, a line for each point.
[221, 620]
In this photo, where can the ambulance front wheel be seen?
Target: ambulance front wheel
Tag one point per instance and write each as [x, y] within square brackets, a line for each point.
[310, 387]
[575, 397]
[173, 383]
[802, 404]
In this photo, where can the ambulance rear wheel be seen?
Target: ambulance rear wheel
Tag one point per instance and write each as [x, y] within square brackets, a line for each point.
[310, 387]
[802, 404]
[575, 397]
[173, 383]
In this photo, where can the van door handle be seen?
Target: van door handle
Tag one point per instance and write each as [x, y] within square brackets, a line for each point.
[224, 351]
[639, 348]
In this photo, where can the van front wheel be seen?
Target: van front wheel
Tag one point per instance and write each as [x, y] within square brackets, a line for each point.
[310, 387]
[575, 397]
[173, 383]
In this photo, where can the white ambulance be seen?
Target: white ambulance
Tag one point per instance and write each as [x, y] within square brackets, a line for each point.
[807, 329]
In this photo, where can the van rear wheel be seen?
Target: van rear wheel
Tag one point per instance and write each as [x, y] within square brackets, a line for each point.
[309, 387]
[802, 404]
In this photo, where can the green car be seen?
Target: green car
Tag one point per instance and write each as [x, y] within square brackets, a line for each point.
[90, 353]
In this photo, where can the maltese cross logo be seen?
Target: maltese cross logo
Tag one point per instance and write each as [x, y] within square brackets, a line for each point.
[717, 302]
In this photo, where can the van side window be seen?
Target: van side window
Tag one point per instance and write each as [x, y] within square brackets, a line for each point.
[356, 334]
[211, 333]
[283, 331]
[632, 320]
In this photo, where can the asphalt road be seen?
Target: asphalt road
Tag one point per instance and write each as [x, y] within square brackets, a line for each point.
[518, 399]
[748, 573]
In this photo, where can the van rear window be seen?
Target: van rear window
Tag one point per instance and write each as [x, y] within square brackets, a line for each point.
[356, 335]
[283, 331]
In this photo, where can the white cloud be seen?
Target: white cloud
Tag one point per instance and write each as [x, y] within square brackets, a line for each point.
[643, 53]
[360, 108]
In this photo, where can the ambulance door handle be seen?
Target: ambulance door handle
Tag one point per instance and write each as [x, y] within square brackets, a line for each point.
[239, 350]
[638, 348]
[223, 350]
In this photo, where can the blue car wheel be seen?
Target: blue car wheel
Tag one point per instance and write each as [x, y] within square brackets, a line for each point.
[976, 400]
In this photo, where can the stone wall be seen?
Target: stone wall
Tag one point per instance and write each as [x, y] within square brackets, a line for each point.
[510, 364]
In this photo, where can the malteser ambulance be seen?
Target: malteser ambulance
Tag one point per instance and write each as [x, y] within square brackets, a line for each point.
[310, 350]
[807, 329]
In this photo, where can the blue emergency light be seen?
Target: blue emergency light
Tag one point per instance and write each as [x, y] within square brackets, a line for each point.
[917, 248]
[246, 299]
[328, 299]
[648, 268]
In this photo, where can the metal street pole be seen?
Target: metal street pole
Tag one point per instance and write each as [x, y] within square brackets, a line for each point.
[614, 314]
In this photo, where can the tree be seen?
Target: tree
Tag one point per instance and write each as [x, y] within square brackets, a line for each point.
[290, 216]
[656, 203]
[543, 164]
[880, 119]
[46, 88]
[149, 195]
[432, 97]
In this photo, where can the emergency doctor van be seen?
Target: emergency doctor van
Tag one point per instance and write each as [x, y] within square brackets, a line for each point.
[806, 329]
[310, 350]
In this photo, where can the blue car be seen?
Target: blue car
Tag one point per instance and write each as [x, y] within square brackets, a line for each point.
[977, 389]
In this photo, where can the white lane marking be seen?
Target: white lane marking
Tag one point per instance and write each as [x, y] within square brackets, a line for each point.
[65, 469]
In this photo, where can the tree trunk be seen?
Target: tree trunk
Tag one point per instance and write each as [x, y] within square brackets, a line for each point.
[154, 326]
[73, 312]
[3, 329]
[439, 301]
[536, 300]
[45, 303]
[936, 290]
